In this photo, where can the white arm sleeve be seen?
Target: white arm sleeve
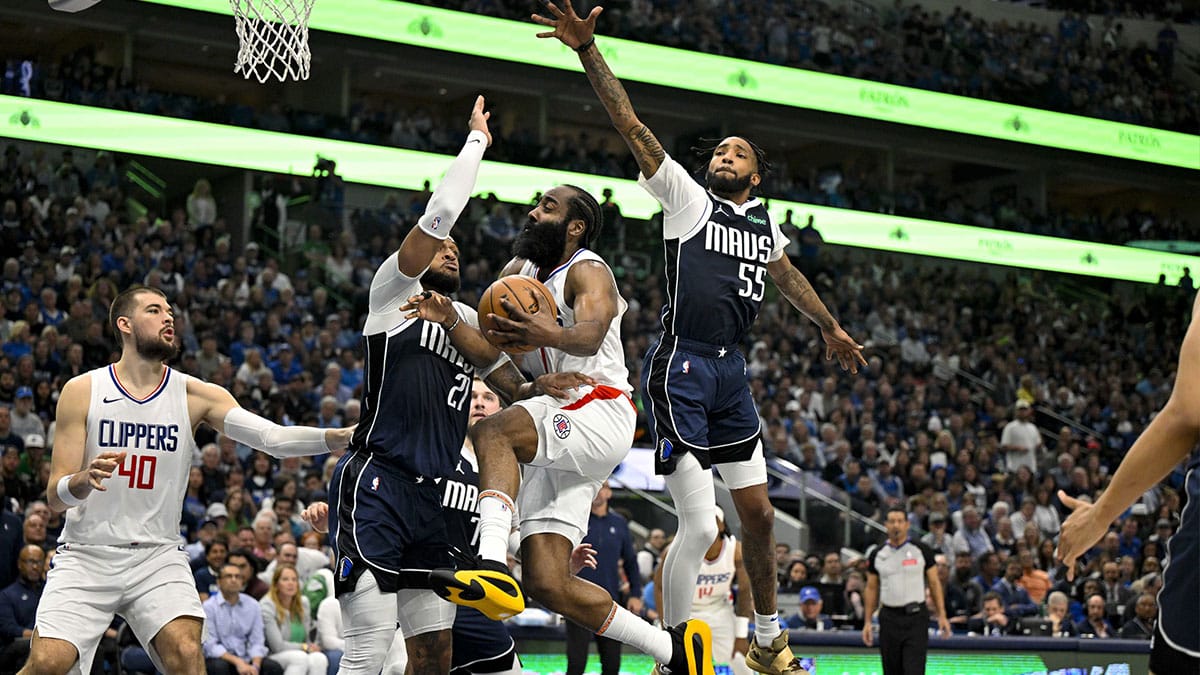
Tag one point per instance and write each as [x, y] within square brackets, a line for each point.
[685, 203]
[390, 287]
[251, 430]
[451, 195]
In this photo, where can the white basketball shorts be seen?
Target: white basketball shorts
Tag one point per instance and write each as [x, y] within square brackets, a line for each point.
[148, 586]
[581, 441]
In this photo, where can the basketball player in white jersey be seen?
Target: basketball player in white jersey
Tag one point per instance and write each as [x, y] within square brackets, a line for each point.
[568, 446]
[713, 601]
[122, 452]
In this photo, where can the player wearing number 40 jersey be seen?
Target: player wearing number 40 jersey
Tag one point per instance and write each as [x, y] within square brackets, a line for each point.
[122, 453]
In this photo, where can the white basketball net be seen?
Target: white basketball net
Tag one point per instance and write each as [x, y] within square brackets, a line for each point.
[272, 38]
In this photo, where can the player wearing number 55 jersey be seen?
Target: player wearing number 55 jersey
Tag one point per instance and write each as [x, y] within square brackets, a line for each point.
[121, 458]
[720, 247]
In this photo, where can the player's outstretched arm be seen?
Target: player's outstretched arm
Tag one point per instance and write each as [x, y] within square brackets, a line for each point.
[216, 406]
[797, 289]
[578, 34]
[1167, 440]
[70, 481]
[502, 376]
[466, 338]
[448, 200]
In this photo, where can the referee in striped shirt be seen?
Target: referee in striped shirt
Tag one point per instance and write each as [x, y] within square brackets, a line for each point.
[896, 579]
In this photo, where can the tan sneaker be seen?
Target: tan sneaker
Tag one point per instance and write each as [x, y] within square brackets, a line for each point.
[774, 660]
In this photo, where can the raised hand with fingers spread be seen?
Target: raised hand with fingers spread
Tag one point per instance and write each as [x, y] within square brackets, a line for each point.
[569, 29]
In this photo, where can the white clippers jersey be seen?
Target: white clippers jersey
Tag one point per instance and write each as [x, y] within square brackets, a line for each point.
[608, 364]
[144, 499]
[714, 584]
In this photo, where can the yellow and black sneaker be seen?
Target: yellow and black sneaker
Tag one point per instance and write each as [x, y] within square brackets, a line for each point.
[489, 588]
[691, 650]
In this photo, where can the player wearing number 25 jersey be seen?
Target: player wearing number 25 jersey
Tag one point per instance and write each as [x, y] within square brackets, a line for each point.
[122, 453]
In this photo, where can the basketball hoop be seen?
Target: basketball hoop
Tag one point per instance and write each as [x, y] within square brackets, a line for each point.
[272, 38]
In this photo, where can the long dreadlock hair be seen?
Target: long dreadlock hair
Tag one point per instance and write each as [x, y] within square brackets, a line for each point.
[708, 146]
[583, 206]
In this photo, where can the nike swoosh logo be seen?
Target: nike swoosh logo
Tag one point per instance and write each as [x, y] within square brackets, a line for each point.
[113, 400]
[474, 140]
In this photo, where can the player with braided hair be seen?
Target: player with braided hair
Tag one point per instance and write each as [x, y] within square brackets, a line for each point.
[569, 446]
[583, 206]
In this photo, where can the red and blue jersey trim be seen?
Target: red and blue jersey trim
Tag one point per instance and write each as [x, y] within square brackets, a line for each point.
[112, 371]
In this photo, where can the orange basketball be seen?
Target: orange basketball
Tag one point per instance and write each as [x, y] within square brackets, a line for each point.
[526, 292]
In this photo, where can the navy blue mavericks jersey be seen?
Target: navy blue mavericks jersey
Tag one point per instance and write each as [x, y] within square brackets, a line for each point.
[460, 493]
[416, 391]
[716, 258]
[1179, 600]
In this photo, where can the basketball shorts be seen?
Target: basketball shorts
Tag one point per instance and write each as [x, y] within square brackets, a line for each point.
[480, 644]
[1166, 658]
[148, 586]
[581, 441]
[698, 400]
[386, 519]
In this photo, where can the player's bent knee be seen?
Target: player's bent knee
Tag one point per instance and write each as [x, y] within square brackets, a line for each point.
[183, 657]
[758, 517]
[705, 531]
[49, 656]
[178, 643]
[488, 433]
[545, 586]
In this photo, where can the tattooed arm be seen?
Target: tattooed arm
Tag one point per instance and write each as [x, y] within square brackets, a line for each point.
[796, 288]
[577, 34]
[642, 143]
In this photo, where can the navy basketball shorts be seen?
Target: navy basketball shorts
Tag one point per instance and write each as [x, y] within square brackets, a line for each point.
[385, 520]
[698, 400]
[480, 644]
[1166, 658]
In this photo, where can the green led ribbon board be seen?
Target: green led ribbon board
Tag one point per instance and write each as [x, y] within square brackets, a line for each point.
[203, 143]
[492, 38]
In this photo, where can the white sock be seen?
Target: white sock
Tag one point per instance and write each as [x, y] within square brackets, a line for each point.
[625, 626]
[766, 628]
[691, 488]
[495, 522]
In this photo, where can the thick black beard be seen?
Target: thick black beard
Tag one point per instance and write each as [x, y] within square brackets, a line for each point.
[441, 282]
[156, 350]
[722, 184]
[542, 243]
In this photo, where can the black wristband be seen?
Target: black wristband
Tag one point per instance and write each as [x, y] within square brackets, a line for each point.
[583, 47]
